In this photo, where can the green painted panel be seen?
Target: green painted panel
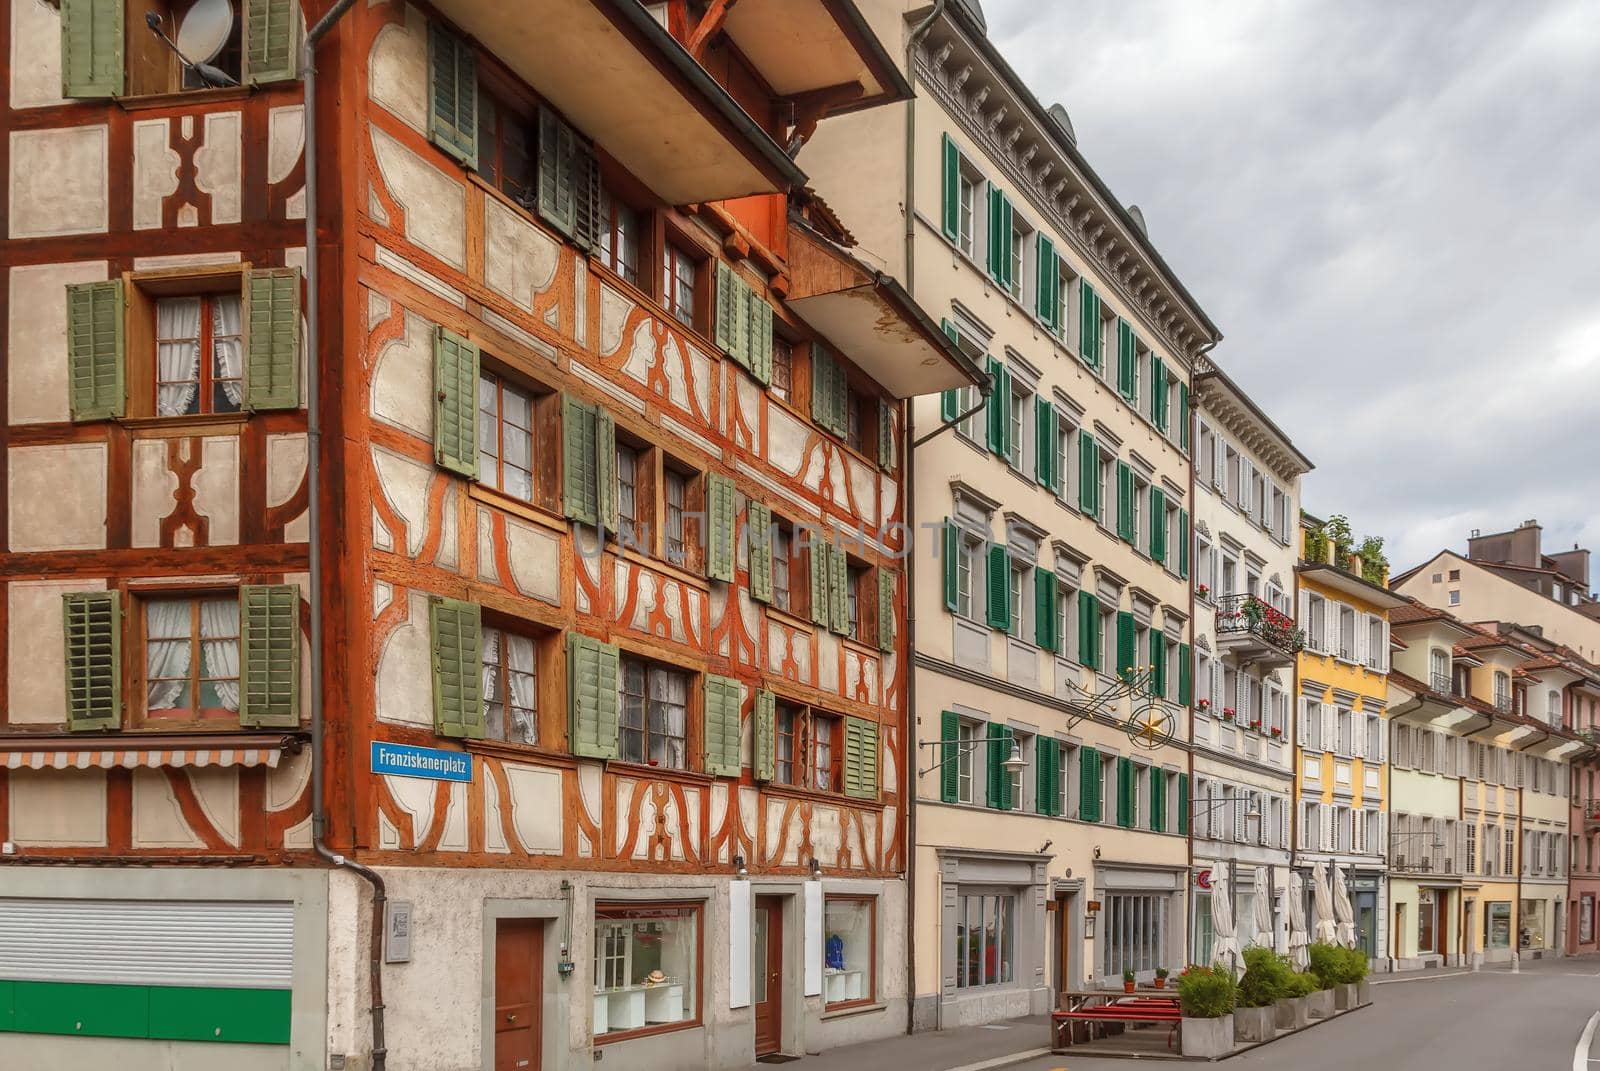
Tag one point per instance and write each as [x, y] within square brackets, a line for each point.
[258, 1016]
[98, 1011]
[7, 1014]
[168, 1013]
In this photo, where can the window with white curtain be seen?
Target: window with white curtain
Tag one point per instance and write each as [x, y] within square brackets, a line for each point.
[510, 686]
[1135, 933]
[199, 355]
[654, 722]
[192, 658]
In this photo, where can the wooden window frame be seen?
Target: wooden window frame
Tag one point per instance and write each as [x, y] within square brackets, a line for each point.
[137, 659]
[783, 379]
[675, 252]
[870, 991]
[631, 911]
[542, 445]
[508, 104]
[693, 712]
[804, 749]
[142, 290]
[152, 70]
[207, 378]
[550, 697]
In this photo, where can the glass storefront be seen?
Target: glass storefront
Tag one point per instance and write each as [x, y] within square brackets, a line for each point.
[645, 965]
[985, 939]
[1497, 924]
[1531, 931]
[849, 925]
[1134, 934]
[1585, 919]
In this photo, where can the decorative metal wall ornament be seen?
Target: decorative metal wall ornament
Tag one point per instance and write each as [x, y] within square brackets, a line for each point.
[1153, 722]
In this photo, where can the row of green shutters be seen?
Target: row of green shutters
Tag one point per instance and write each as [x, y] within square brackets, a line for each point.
[1047, 774]
[93, 50]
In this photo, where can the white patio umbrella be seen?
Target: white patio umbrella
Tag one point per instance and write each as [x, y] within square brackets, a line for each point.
[1344, 915]
[1322, 895]
[1263, 912]
[1297, 922]
[1226, 950]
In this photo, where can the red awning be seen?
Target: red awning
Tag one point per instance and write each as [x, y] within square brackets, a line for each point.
[130, 752]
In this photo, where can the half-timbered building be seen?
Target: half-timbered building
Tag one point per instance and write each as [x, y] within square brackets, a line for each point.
[467, 631]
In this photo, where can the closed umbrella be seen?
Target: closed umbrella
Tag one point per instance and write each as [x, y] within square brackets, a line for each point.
[1263, 910]
[1227, 946]
[1343, 913]
[1297, 922]
[1324, 927]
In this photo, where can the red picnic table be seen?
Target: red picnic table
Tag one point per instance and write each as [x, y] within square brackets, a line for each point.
[1104, 1007]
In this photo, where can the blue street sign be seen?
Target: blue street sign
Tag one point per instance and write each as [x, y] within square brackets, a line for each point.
[430, 763]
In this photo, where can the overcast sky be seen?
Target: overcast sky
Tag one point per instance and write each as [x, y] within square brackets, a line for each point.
[1391, 210]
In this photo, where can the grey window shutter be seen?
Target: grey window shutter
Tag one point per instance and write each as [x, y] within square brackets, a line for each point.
[838, 581]
[886, 435]
[96, 350]
[579, 460]
[759, 333]
[764, 737]
[558, 165]
[271, 28]
[455, 430]
[91, 48]
[452, 95]
[457, 668]
[723, 700]
[92, 625]
[720, 511]
[818, 560]
[887, 578]
[758, 537]
[605, 459]
[728, 300]
[591, 696]
[272, 318]
[588, 224]
[269, 655]
[861, 758]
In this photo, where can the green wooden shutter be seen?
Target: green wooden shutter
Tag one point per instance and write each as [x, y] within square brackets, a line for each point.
[759, 330]
[1088, 474]
[1158, 392]
[886, 437]
[949, 756]
[1125, 792]
[861, 758]
[728, 336]
[764, 737]
[1183, 417]
[1088, 325]
[579, 459]
[1185, 674]
[92, 625]
[758, 536]
[992, 261]
[455, 432]
[1044, 441]
[91, 48]
[997, 410]
[457, 667]
[999, 587]
[1183, 543]
[1127, 645]
[270, 29]
[950, 549]
[721, 726]
[1044, 609]
[1183, 804]
[817, 557]
[453, 96]
[1088, 630]
[272, 316]
[588, 227]
[557, 175]
[721, 504]
[1158, 662]
[838, 591]
[1127, 360]
[999, 779]
[949, 400]
[829, 390]
[96, 362]
[1125, 523]
[269, 655]
[950, 217]
[1043, 796]
[1158, 524]
[887, 578]
[605, 460]
[1006, 267]
[1089, 784]
[591, 696]
[1158, 800]
[1045, 270]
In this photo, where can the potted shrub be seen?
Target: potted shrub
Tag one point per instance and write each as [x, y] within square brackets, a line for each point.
[1205, 996]
[1127, 981]
[1203, 704]
[1327, 965]
[1228, 713]
[1265, 982]
[1161, 977]
[1293, 1012]
[1255, 724]
[1277, 733]
[1352, 975]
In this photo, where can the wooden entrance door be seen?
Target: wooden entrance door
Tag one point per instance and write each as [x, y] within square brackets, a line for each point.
[1064, 905]
[767, 974]
[518, 993]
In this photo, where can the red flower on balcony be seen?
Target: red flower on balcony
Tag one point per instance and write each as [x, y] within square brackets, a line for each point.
[1256, 725]
[1228, 712]
[1203, 704]
[1276, 732]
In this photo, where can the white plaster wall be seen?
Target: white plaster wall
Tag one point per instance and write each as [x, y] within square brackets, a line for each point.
[402, 379]
[58, 497]
[36, 370]
[435, 203]
[35, 54]
[519, 259]
[58, 808]
[59, 181]
[405, 669]
[216, 488]
[397, 76]
[35, 641]
[155, 170]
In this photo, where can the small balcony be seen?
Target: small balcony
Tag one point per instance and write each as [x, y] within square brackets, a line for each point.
[1591, 815]
[1253, 632]
[1441, 683]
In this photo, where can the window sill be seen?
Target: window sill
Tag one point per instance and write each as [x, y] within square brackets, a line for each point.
[796, 792]
[489, 496]
[510, 749]
[195, 424]
[626, 768]
[661, 565]
[149, 101]
[647, 1032]
[845, 1011]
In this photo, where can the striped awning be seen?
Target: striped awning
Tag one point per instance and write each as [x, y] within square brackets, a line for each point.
[57, 753]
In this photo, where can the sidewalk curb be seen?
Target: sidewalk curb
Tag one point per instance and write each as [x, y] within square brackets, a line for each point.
[1002, 1061]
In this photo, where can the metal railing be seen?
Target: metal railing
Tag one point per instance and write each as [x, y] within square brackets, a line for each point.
[1502, 703]
[1245, 613]
[1441, 683]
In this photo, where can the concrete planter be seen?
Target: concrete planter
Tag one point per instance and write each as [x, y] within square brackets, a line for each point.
[1320, 1004]
[1207, 1038]
[1363, 993]
[1253, 1024]
[1345, 997]
[1292, 1013]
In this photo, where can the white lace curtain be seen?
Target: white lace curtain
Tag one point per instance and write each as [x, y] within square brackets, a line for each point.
[169, 651]
[228, 345]
[669, 710]
[219, 648]
[178, 355]
[516, 654]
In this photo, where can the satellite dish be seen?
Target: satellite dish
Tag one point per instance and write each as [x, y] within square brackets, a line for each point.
[205, 30]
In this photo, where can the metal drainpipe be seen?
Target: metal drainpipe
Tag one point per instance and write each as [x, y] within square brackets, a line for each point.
[1522, 862]
[912, 40]
[1189, 904]
[319, 817]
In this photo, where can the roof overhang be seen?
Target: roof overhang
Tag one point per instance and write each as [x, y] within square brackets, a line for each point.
[816, 49]
[1352, 585]
[130, 751]
[1245, 419]
[600, 62]
[872, 320]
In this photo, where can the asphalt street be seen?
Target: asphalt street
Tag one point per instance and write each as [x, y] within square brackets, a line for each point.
[1534, 1020]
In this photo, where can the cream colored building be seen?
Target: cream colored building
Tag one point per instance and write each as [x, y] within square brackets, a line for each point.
[1054, 521]
[1247, 502]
